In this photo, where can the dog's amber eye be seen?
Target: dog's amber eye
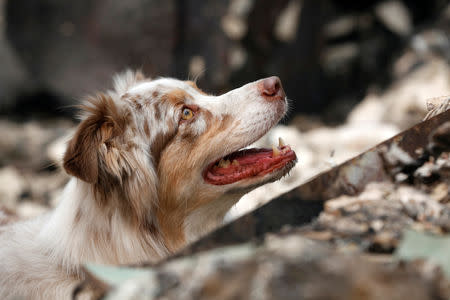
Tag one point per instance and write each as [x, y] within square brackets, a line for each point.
[187, 114]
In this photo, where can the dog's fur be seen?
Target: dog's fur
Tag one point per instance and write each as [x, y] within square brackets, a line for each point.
[137, 191]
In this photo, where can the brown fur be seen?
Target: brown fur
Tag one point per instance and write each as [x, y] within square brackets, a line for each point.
[175, 97]
[157, 111]
[147, 129]
[104, 123]
[98, 154]
[159, 143]
[171, 213]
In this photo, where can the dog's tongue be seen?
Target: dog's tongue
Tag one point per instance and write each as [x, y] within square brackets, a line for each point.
[248, 163]
[239, 162]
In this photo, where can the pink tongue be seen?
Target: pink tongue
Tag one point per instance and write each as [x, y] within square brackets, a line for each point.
[254, 157]
[247, 161]
[251, 162]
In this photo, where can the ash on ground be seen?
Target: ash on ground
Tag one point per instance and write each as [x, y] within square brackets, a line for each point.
[375, 219]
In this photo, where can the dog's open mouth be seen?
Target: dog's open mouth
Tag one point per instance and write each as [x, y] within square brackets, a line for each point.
[249, 163]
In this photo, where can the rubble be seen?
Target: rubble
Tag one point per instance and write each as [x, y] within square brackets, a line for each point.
[416, 196]
[395, 15]
[25, 145]
[403, 104]
[437, 105]
[30, 175]
[375, 220]
[273, 269]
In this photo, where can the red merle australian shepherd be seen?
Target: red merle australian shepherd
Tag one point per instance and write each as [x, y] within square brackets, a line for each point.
[155, 164]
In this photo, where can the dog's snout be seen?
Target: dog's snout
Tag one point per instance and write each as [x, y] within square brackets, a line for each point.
[271, 88]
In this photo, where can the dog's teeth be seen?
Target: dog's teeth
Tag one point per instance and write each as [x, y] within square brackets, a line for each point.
[281, 142]
[224, 163]
[275, 151]
[221, 163]
[235, 163]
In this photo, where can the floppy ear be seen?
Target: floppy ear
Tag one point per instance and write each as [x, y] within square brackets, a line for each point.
[102, 122]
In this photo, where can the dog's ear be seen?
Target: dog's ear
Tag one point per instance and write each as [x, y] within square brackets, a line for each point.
[102, 122]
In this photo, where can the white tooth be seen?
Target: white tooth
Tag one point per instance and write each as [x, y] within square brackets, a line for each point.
[224, 163]
[221, 162]
[275, 151]
[235, 163]
[281, 142]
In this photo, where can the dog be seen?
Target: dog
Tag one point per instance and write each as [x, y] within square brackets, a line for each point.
[154, 165]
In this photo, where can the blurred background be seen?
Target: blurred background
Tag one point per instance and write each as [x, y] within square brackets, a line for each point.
[356, 72]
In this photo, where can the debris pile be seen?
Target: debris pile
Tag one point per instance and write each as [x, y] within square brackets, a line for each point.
[282, 266]
[417, 196]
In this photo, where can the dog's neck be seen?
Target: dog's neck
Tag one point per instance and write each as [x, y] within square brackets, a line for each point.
[79, 232]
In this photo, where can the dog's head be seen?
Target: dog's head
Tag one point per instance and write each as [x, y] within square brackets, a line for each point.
[166, 153]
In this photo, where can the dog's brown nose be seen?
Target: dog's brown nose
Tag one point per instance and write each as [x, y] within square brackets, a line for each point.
[271, 88]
